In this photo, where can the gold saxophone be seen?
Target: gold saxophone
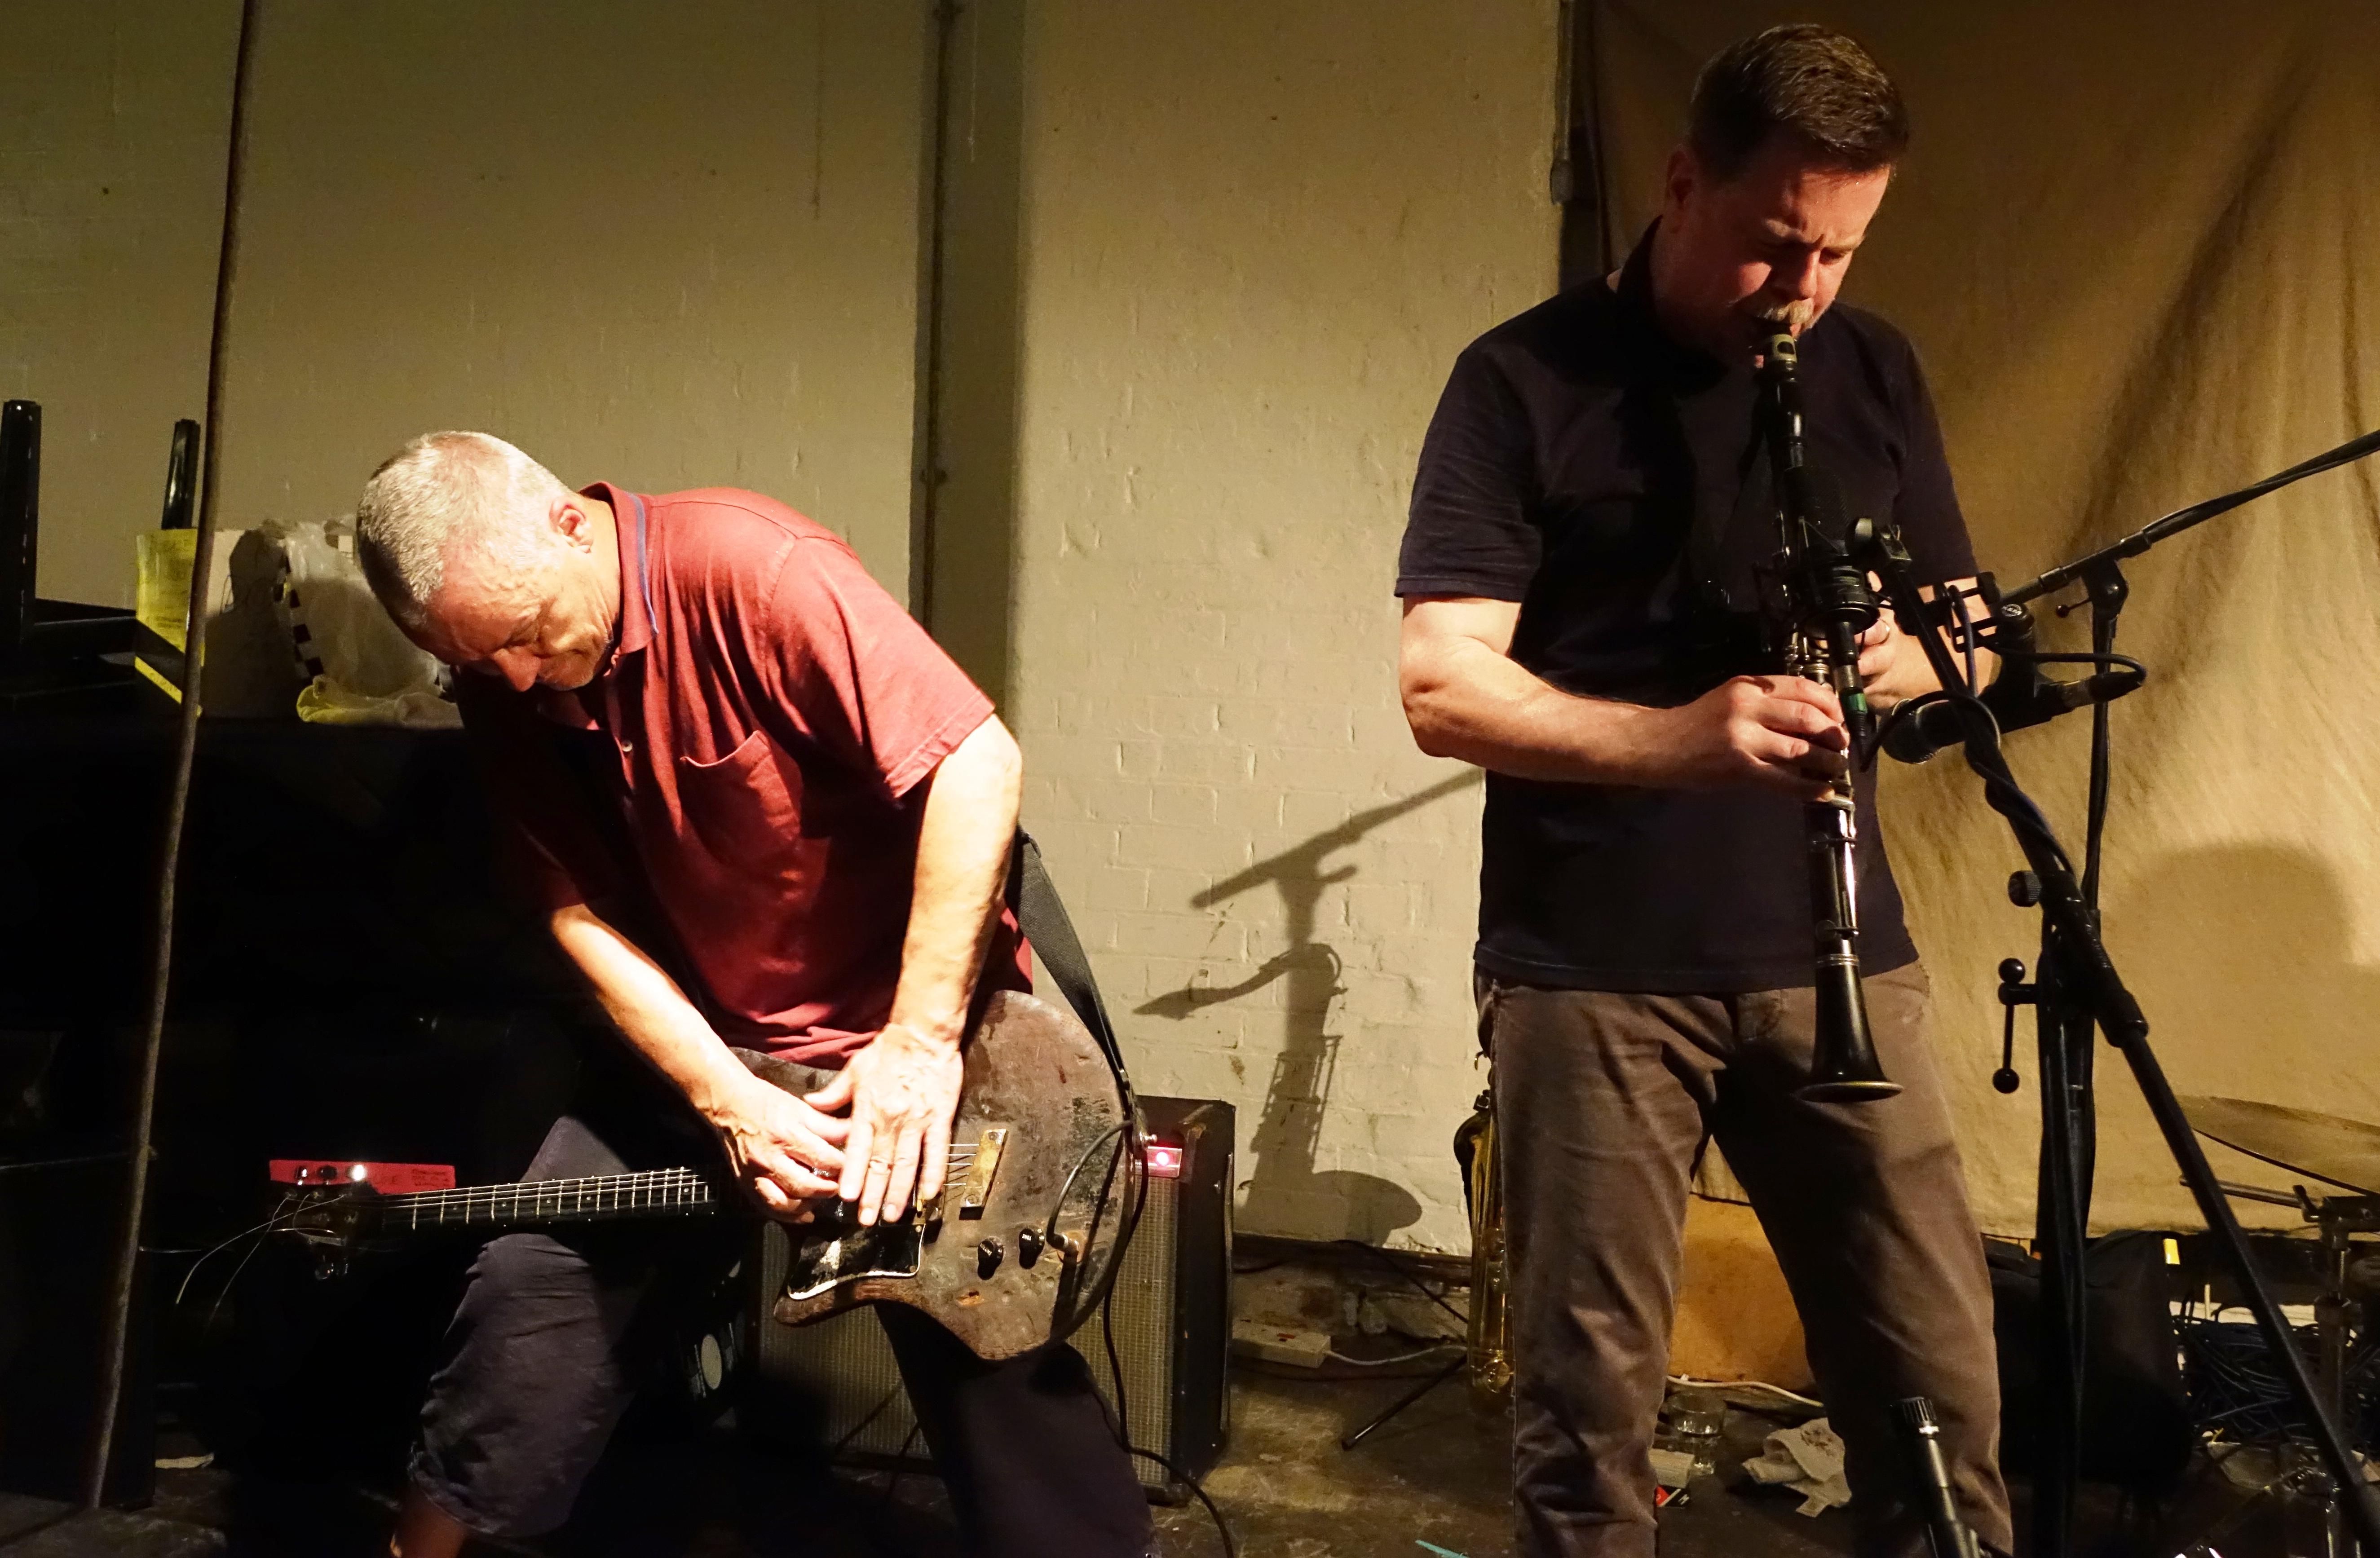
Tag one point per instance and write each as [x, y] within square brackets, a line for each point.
[1490, 1344]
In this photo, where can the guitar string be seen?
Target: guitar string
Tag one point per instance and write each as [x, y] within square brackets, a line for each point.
[584, 1186]
[961, 1156]
[681, 1187]
[674, 1180]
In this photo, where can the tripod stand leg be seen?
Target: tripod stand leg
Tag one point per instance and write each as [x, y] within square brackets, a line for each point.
[2330, 1331]
[2061, 1226]
[1402, 1402]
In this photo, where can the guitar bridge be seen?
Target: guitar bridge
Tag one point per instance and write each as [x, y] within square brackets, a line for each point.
[981, 1170]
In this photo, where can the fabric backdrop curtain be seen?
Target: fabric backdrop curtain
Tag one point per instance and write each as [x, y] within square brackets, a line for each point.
[2138, 247]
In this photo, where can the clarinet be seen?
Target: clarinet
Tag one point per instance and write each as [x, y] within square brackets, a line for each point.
[1828, 605]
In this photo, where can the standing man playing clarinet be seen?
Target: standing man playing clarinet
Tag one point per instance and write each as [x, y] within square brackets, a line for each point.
[1579, 590]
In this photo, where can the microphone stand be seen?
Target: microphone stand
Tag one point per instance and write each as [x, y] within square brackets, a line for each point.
[2077, 990]
[2064, 1024]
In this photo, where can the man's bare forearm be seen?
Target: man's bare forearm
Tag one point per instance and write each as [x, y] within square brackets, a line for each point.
[962, 844]
[652, 1012]
[1466, 700]
[1466, 697]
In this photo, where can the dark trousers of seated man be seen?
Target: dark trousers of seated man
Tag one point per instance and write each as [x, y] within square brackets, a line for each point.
[1603, 1103]
[544, 1356]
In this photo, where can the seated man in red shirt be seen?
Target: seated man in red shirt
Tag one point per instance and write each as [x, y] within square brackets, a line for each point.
[763, 809]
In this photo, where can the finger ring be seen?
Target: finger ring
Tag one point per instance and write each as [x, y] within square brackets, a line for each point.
[879, 1163]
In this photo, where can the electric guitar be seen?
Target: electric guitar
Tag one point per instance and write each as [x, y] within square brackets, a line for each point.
[1007, 1256]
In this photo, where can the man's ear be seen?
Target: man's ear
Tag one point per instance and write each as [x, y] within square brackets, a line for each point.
[1679, 178]
[568, 516]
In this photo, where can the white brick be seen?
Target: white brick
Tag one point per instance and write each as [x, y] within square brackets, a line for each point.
[1179, 935]
[1216, 761]
[1181, 848]
[1182, 805]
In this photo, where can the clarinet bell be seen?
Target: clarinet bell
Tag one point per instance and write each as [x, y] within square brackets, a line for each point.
[1844, 1068]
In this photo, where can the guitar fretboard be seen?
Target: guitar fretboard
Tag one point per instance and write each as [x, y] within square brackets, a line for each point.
[551, 1200]
[574, 1201]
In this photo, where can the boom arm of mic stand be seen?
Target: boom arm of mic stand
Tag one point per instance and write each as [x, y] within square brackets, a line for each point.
[2181, 519]
[2100, 992]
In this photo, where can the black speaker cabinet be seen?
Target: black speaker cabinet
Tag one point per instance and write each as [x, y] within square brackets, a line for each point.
[57, 1270]
[833, 1385]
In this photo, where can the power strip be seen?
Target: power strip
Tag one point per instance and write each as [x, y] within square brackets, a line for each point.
[1299, 1350]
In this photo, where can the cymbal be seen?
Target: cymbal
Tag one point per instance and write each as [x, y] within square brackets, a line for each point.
[2341, 1153]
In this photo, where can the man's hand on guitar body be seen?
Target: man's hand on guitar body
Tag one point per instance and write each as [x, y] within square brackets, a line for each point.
[901, 1092]
[784, 1150]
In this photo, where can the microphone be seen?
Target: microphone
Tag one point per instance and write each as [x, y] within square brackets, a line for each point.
[2021, 694]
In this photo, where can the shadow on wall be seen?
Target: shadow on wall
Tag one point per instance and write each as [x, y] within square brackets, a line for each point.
[2244, 953]
[1287, 1135]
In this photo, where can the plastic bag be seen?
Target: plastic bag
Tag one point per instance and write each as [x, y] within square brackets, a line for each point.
[361, 668]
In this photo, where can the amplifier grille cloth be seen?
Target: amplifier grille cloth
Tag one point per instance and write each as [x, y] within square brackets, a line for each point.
[844, 1367]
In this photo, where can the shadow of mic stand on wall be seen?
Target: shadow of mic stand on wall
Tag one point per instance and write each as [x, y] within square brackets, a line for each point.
[2075, 990]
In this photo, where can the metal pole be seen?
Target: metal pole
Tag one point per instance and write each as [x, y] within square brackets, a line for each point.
[127, 1254]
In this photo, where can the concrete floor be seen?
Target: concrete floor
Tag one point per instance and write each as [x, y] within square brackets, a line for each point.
[1436, 1475]
[1429, 1485]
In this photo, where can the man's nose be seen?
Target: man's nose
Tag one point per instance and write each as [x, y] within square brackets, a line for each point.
[519, 668]
[1797, 279]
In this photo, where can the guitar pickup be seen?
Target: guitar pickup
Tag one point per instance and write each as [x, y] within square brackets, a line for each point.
[976, 1189]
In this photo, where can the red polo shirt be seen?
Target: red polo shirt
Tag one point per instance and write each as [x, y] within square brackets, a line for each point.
[745, 770]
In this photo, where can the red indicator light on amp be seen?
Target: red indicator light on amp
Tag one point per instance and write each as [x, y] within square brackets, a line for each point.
[1164, 1160]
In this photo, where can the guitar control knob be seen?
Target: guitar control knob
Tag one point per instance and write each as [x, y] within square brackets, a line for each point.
[988, 1257]
[1029, 1245]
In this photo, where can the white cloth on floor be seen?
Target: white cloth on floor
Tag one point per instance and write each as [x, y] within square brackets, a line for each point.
[1809, 1460]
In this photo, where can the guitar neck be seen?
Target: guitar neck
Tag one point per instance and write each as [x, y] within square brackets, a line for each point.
[539, 1202]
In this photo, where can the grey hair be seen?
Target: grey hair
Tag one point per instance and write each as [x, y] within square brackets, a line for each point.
[439, 492]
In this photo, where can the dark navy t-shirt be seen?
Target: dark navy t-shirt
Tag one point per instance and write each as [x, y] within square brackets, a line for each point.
[1610, 480]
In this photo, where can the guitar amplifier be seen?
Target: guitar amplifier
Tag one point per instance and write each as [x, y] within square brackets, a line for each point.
[833, 1385]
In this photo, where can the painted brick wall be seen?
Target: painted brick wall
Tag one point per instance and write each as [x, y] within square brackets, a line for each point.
[671, 246]
[1253, 238]
[113, 118]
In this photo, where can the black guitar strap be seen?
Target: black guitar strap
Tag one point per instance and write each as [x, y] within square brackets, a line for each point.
[1042, 918]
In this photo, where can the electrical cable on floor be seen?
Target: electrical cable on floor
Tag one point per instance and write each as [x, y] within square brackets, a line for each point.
[901, 1465]
[1335, 1355]
[861, 1426]
[1223, 1527]
[1779, 1391]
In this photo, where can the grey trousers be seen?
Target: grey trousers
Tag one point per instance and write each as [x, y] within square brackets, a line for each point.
[1603, 1103]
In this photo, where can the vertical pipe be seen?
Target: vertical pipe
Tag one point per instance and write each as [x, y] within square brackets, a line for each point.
[128, 1257]
[926, 440]
[1578, 179]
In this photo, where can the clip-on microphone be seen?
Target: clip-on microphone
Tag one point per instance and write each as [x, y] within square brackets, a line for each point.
[2020, 693]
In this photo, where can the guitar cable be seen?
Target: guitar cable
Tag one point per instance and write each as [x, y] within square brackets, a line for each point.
[281, 1213]
[1062, 953]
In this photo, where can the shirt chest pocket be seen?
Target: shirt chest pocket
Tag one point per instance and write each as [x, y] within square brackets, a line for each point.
[745, 809]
